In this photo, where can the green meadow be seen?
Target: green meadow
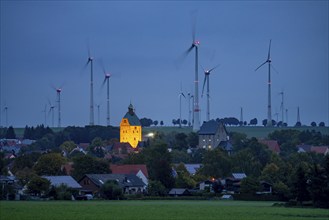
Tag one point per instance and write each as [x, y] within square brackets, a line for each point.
[154, 210]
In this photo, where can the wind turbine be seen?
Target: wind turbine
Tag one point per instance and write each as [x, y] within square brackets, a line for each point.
[90, 60]
[196, 109]
[269, 107]
[107, 81]
[51, 111]
[282, 106]
[98, 112]
[181, 94]
[45, 112]
[241, 116]
[58, 92]
[5, 109]
[206, 79]
[189, 107]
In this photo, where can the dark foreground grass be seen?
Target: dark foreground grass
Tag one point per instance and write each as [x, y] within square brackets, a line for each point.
[154, 210]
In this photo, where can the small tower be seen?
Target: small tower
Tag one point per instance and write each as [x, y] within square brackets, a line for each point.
[130, 128]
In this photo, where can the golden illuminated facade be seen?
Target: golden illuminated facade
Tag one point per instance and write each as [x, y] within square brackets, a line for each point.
[130, 128]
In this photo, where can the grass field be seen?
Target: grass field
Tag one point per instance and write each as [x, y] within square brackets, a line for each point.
[154, 210]
[250, 131]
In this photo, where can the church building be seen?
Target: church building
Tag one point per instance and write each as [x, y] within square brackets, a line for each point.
[130, 128]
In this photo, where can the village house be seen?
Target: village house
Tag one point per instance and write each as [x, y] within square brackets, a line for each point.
[129, 183]
[140, 170]
[213, 134]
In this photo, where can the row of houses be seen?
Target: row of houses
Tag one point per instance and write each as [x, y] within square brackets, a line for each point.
[132, 179]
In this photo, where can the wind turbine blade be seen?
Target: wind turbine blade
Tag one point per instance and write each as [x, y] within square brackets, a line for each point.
[203, 68]
[189, 50]
[260, 65]
[214, 68]
[193, 19]
[274, 69]
[204, 83]
[183, 95]
[269, 51]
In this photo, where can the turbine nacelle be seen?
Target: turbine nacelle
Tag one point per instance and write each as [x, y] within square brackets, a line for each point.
[196, 43]
[59, 90]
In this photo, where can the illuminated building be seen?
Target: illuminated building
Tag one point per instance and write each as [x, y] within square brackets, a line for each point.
[130, 128]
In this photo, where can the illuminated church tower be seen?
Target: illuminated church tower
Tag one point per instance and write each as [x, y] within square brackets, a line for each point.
[130, 128]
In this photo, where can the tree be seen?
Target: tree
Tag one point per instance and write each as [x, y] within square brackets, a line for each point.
[155, 123]
[319, 184]
[300, 185]
[183, 179]
[313, 124]
[156, 188]
[87, 164]
[161, 123]
[270, 173]
[96, 147]
[249, 185]
[61, 192]
[192, 139]
[146, 122]
[321, 124]
[180, 156]
[298, 124]
[158, 162]
[49, 164]
[180, 141]
[25, 161]
[38, 186]
[253, 121]
[216, 163]
[68, 146]
[25, 175]
[10, 134]
[111, 190]
[174, 122]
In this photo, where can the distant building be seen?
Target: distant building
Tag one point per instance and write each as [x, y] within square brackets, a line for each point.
[140, 170]
[130, 128]
[129, 183]
[213, 134]
[273, 145]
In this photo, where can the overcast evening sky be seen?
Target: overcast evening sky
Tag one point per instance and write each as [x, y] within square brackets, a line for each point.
[45, 44]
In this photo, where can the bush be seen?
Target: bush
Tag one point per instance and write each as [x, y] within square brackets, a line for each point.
[111, 190]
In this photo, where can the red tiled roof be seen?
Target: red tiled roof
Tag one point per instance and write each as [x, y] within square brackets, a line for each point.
[129, 169]
[320, 149]
[272, 145]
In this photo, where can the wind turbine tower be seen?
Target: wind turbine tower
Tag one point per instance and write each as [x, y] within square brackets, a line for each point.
[189, 108]
[58, 91]
[181, 94]
[90, 60]
[241, 115]
[206, 79]
[298, 115]
[269, 107]
[5, 109]
[51, 111]
[282, 106]
[107, 81]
